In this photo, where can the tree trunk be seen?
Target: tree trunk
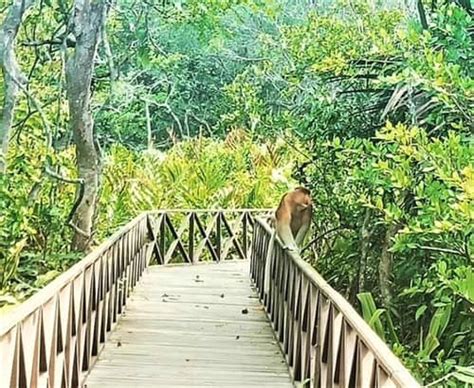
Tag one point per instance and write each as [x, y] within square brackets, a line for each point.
[88, 20]
[12, 75]
[365, 235]
[148, 126]
[422, 14]
[385, 265]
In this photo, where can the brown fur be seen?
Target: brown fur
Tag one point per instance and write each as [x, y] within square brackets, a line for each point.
[293, 217]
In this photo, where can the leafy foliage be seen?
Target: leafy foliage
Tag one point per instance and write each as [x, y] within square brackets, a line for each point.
[363, 104]
[33, 211]
[195, 174]
[421, 187]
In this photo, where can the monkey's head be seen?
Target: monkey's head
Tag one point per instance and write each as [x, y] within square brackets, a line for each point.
[303, 190]
[304, 198]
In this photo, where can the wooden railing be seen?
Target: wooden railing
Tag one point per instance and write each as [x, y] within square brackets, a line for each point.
[325, 341]
[53, 339]
[189, 236]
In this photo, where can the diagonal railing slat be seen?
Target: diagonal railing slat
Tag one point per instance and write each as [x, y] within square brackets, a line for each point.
[176, 237]
[326, 342]
[205, 234]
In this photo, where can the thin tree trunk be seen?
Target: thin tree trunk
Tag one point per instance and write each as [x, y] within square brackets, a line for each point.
[422, 14]
[88, 20]
[365, 235]
[110, 60]
[12, 74]
[148, 126]
[385, 265]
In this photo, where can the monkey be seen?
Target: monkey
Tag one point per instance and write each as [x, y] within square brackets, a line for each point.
[293, 218]
[291, 222]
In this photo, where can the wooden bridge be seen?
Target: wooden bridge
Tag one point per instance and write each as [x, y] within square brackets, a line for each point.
[200, 317]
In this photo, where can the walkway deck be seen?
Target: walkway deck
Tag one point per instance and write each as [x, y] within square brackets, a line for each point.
[192, 326]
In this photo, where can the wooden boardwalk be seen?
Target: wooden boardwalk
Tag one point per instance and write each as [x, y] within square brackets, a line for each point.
[192, 326]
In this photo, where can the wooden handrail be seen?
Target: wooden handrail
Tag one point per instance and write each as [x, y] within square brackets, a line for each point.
[326, 342]
[217, 210]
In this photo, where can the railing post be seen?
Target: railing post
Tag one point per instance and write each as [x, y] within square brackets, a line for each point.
[191, 237]
[162, 237]
[218, 236]
[244, 234]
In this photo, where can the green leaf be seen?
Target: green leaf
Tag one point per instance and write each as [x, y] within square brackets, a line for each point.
[420, 311]
[466, 370]
[376, 317]
[464, 377]
[440, 320]
[371, 314]
[8, 299]
[430, 345]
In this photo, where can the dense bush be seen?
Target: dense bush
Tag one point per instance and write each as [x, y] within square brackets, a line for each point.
[34, 207]
[197, 174]
[400, 211]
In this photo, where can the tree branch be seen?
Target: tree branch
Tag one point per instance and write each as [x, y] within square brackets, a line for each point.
[70, 43]
[175, 117]
[443, 250]
[201, 121]
[466, 244]
[110, 59]
[317, 238]
[148, 126]
[11, 72]
[422, 14]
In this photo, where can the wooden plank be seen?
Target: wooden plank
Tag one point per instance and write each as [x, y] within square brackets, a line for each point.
[112, 384]
[192, 326]
[203, 315]
[143, 357]
[212, 298]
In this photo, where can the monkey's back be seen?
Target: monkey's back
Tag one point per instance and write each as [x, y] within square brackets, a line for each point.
[295, 207]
